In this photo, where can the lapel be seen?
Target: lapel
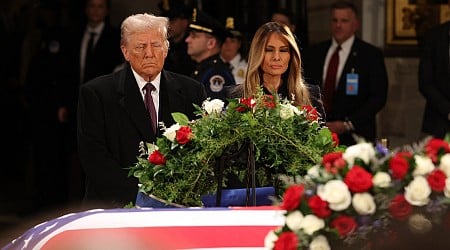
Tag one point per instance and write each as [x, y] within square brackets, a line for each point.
[171, 97]
[132, 102]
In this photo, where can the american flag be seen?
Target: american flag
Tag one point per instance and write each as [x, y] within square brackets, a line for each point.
[147, 228]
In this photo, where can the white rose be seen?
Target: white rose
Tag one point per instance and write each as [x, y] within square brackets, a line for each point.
[171, 132]
[336, 193]
[293, 220]
[311, 224]
[364, 203]
[445, 164]
[286, 112]
[214, 106]
[447, 188]
[269, 240]
[363, 151]
[319, 243]
[424, 165]
[381, 179]
[418, 191]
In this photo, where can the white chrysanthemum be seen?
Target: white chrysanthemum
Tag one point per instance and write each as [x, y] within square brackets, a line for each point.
[445, 164]
[424, 165]
[381, 179]
[319, 243]
[418, 191]
[363, 203]
[311, 224]
[364, 151]
[336, 193]
[214, 106]
[293, 220]
[269, 240]
[286, 111]
[171, 132]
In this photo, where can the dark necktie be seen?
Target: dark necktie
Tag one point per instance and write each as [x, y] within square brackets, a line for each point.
[88, 57]
[148, 99]
[330, 80]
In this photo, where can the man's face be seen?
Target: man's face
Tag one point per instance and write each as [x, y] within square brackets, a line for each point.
[343, 24]
[145, 51]
[96, 11]
[198, 43]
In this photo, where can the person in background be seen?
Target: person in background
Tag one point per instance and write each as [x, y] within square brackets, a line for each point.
[285, 17]
[356, 84]
[274, 62]
[103, 55]
[434, 80]
[233, 51]
[179, 14]
[112, 114]
[204, 45]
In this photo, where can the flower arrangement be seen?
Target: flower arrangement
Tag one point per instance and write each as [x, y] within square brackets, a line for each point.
[366, 190]
[180, 167]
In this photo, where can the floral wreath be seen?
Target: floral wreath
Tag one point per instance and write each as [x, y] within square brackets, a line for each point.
[367, 190]
[179, 168]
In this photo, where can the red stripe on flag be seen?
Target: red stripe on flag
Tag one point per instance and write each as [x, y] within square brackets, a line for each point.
[160, 238]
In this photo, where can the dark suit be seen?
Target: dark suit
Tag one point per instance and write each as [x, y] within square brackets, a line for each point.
[361, 109]
[434, 80]
[106, 54]
[112, 120]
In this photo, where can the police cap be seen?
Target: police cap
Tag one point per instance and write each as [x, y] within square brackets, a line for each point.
[201, 22]
[174, 9]
[230, 26]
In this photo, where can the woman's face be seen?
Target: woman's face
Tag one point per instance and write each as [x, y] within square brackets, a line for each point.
[276, 55]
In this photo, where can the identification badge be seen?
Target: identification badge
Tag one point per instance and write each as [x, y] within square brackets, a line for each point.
[351, 87]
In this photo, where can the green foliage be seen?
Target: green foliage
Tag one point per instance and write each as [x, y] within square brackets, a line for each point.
[285, 138]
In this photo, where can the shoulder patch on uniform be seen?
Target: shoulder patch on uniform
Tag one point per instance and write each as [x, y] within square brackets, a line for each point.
[216, 83]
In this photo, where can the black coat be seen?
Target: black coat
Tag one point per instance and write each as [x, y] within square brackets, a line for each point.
[112, 120]
[361, 109]
[434, 80]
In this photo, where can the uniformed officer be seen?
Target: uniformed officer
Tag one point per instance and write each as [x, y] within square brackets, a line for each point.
[204, 44]
[234, 52]
[179, 14]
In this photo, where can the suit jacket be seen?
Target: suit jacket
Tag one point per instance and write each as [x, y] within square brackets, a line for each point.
[112, 120]
[434, 80]
[361, 109]
[106, 53]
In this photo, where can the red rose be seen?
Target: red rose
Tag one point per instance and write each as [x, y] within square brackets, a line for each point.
[358, 179]
[319, 207]
[436, 180]
[399, 164]
[399, 208]
[311, 112]
[269, 102]
[436, 147]
[292, 197]
[157, 158]
[344, 224]
[286, 241]
[333, 162]
[184, 135]
[335, 138]
[245, 104]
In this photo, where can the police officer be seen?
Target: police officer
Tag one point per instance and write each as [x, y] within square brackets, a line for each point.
[234, 51]
[179, 14]
[204, 45]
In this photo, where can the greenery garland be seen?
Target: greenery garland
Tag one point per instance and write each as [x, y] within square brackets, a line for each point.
[179, 168]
